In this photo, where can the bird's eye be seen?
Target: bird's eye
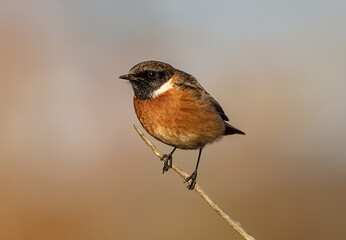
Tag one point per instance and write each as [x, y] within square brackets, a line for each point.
[151, 74]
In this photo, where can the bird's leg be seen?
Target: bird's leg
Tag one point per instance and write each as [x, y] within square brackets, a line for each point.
[193, 176]
[168, 161]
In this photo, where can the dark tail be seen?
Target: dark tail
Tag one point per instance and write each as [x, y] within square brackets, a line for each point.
[232, 130]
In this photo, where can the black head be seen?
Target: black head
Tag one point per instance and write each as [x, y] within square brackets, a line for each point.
[148, 76]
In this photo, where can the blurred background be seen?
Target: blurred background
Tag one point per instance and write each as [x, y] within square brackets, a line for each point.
[72, 166]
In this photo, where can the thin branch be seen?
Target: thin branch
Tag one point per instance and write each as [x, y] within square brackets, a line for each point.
[236, 226]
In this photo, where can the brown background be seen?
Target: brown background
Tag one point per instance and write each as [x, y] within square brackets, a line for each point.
[72, 166]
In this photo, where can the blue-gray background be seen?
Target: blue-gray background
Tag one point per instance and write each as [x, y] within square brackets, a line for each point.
[72, 166]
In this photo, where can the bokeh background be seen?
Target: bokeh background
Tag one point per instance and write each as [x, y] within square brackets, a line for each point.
[72, 166]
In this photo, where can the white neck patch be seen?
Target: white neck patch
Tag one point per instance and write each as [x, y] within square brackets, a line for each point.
[165, 87]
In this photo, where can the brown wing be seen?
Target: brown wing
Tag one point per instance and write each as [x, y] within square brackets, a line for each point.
[191, 84]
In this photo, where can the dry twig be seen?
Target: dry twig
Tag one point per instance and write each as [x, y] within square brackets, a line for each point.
[236, 226]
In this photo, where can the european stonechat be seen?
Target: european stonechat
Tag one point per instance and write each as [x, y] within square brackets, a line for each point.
[175, 109]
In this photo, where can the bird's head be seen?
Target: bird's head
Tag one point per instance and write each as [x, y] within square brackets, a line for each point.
[148, 77]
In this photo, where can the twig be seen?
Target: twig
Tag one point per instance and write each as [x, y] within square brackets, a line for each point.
[236, 226]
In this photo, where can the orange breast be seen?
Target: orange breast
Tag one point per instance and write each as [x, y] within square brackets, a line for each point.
[180, 119]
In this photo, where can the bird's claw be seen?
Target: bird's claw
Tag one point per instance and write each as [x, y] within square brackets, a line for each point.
[193, 182]
[168, 162]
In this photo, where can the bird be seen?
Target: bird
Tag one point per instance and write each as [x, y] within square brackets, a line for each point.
[175, 109]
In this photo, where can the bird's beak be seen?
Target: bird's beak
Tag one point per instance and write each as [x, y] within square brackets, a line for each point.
[129, 77]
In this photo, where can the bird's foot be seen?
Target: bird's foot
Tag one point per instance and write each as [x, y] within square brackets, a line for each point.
[167, 162]
[193, 182]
